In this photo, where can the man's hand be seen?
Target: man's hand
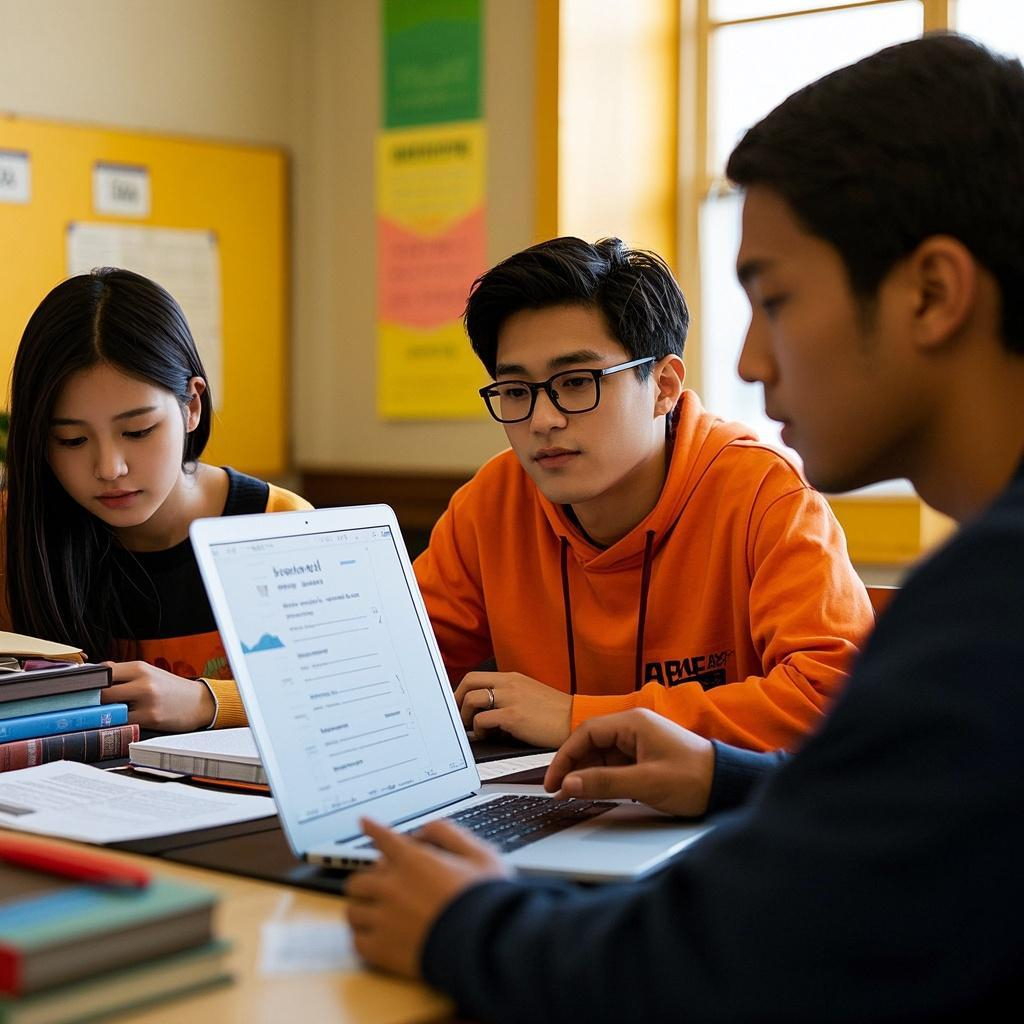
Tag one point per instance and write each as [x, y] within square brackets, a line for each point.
[531, 711]
[157, 699]
[637, 755]
[393, 905]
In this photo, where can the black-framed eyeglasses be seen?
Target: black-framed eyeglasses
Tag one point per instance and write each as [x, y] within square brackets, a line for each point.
[571, 391]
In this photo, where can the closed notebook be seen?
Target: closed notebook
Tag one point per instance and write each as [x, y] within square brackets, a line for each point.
[150, 983]
[228, 754]
[76, 720]
[51, 678]
[57, 930]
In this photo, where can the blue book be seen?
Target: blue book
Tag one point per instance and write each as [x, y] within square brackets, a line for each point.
[30, 726]
[51, 702]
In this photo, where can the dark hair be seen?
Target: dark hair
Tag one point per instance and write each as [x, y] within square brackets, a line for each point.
[919, 139]
[60, 571]
[634, 291]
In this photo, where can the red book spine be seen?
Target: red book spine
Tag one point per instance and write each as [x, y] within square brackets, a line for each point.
[10, 969]
[88, 747]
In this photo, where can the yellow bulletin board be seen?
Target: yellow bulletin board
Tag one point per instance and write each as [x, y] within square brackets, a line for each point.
[235, 192]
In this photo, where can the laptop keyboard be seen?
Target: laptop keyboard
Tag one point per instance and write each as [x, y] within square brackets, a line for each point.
[511, 822]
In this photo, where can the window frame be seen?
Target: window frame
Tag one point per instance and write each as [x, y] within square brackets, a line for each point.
[699, 180]
[883, 527]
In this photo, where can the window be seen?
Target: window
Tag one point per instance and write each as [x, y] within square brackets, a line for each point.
[996, 23]
[739, 59]
[746, 79]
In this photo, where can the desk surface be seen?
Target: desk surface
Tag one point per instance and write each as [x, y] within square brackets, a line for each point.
[254, 998]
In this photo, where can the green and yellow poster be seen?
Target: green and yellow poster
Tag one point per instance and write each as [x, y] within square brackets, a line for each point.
[431, 231]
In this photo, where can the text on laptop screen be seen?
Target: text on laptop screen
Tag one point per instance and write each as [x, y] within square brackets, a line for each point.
[334, 648]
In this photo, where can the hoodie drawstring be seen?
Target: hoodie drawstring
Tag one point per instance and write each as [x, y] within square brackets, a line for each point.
[645, 586]
[568, 615]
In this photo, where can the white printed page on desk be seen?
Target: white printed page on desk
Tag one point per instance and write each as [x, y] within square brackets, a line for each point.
[491, 770]
[78, 801]
[306, 947]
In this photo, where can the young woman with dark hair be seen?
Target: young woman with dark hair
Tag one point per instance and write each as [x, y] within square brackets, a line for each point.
[110, 413]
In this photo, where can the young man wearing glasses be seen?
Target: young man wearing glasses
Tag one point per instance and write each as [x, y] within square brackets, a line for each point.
[631, 549]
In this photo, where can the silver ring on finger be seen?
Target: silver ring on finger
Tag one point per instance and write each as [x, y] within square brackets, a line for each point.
[490, 699]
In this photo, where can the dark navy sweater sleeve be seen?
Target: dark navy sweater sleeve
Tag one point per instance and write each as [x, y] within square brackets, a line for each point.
[737, 774]
[875, 876]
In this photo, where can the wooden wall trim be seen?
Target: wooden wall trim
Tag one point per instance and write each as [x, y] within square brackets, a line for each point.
[545, 119]
[417, 498]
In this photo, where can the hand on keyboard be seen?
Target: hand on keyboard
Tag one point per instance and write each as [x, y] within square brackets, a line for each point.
[635, 755]
[393, 904]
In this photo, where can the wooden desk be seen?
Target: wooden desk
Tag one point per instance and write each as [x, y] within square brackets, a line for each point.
[331, 998]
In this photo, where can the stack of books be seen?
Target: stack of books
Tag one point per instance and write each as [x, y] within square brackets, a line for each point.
[50, 706]
[84, 935]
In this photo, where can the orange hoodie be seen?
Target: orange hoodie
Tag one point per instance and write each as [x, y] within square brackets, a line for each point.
[732, 608]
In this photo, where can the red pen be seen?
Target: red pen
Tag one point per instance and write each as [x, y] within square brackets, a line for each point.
[84, 866]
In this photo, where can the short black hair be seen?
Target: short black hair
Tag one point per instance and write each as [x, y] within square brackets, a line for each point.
[920, 139]
[642, 305]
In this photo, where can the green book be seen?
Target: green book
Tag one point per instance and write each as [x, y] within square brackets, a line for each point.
[145, 984]
[51, 702]
[54, 931]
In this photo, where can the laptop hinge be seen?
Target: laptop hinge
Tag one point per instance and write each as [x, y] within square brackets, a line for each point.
[417, 814]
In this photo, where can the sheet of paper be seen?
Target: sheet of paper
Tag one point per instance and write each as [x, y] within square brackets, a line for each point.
[184, 262]
[78, 801]
[15, 177]
[306, 947]
[491, 770]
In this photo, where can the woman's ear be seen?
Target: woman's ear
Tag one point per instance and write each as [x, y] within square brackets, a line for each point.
[194, 405]
[669, 374]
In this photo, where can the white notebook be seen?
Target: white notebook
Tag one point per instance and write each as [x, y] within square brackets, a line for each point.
[231, 754]
[228, 754]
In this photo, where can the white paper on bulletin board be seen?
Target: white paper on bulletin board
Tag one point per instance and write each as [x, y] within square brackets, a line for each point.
[184, 262]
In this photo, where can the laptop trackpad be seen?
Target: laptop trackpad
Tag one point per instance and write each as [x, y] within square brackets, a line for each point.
[652, 831]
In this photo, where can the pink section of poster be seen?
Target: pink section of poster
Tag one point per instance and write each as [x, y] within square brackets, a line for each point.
[424, 279]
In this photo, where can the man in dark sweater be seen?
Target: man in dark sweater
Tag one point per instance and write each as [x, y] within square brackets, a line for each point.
[875, 875]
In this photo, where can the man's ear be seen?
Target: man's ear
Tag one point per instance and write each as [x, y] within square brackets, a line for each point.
[194, 405]
[669, 374]
[944, 275]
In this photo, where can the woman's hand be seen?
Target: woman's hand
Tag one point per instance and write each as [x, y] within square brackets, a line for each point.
[157, 699]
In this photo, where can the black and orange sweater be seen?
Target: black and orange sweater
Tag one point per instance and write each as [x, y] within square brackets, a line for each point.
[170, 623]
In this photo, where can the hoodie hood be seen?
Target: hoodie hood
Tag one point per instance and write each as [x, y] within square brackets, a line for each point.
[697, 438]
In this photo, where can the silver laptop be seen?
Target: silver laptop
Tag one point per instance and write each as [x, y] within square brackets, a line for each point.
[352, 711]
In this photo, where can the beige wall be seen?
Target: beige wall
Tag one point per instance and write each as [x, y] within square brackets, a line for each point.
[206, 67]
[336, 423]
[302, 74]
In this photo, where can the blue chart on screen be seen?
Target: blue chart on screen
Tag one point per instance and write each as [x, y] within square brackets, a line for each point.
[267, 642]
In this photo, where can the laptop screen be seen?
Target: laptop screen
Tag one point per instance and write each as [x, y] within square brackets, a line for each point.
[338, 662]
